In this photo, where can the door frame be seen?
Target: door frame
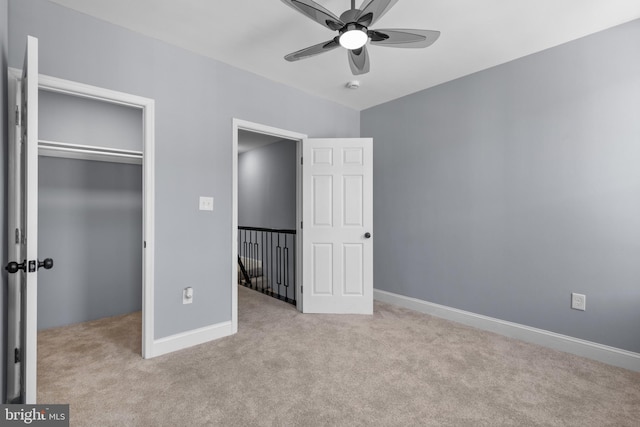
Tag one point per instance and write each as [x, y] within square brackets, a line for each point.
[147, 106]
[297, 138]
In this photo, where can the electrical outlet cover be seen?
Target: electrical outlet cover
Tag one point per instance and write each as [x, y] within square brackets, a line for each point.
[206, 203]
[578, 301]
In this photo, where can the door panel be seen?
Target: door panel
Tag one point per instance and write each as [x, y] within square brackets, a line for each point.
[352, 188]
[322, 201]
[322, 268]
[337, 215]
[353, 269]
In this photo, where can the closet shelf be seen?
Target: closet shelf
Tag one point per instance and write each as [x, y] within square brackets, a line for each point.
[88, 152]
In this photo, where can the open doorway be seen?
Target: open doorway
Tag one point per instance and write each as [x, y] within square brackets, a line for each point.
[267, 202]
[266, 212]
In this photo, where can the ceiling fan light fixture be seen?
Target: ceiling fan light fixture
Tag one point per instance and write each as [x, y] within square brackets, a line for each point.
[354, 34]
[353, 37]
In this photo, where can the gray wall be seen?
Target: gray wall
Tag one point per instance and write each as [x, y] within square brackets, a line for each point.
[90, 223]
[82, 121]
[3, 186]
[196, 99]
[267, 186]
[502, 192]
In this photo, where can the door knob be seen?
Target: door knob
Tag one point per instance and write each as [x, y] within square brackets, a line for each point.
[47, 264]
[367, 235]
[14, 267]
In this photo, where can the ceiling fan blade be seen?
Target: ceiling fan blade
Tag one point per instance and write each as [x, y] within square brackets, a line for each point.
[359, 60]
[373, 10]
[403, 38]
[316, 12]
[312, 50]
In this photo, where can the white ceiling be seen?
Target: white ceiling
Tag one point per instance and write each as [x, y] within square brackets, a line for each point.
[255, 35]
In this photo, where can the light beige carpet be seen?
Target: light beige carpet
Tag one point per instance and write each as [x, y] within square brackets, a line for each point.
[283, 368]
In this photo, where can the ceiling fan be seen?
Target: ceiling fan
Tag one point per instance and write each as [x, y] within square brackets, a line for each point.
[354, 33]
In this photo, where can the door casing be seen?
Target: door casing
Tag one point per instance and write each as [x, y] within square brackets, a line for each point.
[297, 138]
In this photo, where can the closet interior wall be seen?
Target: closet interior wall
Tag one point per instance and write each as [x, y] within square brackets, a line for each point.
[90, 211]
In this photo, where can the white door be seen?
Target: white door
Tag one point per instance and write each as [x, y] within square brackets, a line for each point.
[337, 226]
[23, 220]
[14, 247]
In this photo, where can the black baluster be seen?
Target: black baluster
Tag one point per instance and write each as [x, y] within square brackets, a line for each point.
[293, 236]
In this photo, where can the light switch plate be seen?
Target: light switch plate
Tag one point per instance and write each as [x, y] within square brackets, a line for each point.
[206, 203]
[187, 295]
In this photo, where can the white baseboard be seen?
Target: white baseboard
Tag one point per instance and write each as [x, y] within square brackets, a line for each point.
[602, 353]
[189, 339]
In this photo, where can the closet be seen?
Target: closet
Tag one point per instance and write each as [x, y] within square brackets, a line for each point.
[90, 209]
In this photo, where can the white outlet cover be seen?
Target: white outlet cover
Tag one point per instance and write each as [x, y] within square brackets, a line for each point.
[578, 301]
[206, 203]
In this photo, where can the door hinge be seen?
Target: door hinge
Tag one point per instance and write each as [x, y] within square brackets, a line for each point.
[16, 355]
[302, 289]
[144, 244]
[301, 225]
[301, 160]
[17, 236]
[17, 115]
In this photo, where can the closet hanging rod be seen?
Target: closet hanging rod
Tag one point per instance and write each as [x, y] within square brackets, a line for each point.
[95, 148]
[88, 152]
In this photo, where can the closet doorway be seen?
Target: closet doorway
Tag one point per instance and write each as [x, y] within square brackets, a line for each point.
[24, 150]
[89, 210]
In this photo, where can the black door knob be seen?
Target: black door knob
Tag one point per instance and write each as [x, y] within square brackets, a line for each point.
[47, 264]
[367, 235]
[14, 267]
